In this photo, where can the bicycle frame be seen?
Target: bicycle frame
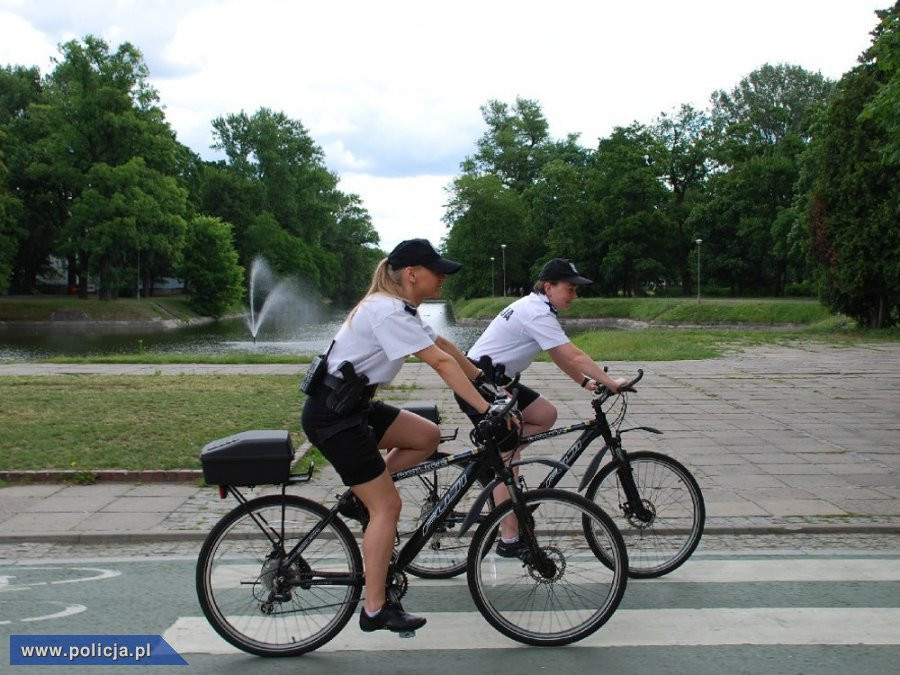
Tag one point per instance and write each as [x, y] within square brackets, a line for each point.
[591, 430]
[424, 532]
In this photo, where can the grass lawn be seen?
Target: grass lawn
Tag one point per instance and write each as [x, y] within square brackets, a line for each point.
[671, 310]
[92, 422]
[85, 422]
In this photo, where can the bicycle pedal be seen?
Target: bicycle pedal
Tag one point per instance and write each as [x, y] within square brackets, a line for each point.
[407, 634]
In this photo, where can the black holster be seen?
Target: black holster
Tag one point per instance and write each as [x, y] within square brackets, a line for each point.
[348, 394]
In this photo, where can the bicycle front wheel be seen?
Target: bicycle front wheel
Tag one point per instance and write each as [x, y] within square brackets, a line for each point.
[444, 556]
[259, 603]
[563, 595]
[669, 531]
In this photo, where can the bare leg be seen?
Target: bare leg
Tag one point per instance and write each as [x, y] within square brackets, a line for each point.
[381, 498]
[538, 417]
[411, 439]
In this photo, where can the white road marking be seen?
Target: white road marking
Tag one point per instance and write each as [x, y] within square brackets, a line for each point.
[641, 627]
[785, 569]
[70, 610]
[95, 574]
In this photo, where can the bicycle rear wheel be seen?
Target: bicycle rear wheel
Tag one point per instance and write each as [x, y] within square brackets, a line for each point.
[564, 595]
[260, 605]
[444, 556]
[671, 495]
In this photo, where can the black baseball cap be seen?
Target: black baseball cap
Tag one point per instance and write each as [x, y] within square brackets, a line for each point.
[560, 269]
[412, 252]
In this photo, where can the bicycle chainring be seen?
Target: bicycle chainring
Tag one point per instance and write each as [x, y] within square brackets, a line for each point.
[398, 585]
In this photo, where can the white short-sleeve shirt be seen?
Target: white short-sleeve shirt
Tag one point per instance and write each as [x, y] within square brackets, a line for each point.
[378, 338]
[519, 333]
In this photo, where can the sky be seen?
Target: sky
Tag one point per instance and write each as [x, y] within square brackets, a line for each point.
[392, 91]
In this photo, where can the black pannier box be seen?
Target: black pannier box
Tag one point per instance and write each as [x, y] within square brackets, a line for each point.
[260, 457]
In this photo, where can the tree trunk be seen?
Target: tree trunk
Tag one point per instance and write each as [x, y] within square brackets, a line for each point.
[83, 275]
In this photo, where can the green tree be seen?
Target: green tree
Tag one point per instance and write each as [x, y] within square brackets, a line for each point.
[279, 172]
[884, 55]
[760, 128]
[627, 199]
[286, 253]
[30, 245]
[232, 196]
[852, 206]
[485, 214]
[558, 206]
[512, 147]
[10, 233]
[125, 216]
[770, 105]
[682, 151]
[353, 243]
[97, 108]
[488, 202]
[210, 268]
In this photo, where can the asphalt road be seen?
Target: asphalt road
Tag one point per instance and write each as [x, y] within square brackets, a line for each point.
[777, 604]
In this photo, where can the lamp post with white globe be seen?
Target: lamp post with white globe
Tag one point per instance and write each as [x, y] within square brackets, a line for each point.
[492, 277]
[699, 241]
[503, 248]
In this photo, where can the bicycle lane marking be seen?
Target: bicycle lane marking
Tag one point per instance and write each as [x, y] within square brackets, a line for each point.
[712, 626]
[627, 628]
[13, 583]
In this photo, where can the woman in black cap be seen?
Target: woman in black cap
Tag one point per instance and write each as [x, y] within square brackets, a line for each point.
[514, 338]
[349, 428]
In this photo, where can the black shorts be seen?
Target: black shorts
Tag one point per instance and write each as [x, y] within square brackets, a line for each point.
[349, 443]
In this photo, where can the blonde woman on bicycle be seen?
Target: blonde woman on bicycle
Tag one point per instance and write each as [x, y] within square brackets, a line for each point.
[342, 420]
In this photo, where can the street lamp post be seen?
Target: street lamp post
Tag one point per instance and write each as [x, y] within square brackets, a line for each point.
[699, 241]
[503, 248]
[492, 277]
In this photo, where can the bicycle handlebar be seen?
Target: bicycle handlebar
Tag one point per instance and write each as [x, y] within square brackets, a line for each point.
[604, 392]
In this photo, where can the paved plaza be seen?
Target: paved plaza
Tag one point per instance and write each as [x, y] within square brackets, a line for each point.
[800, 438]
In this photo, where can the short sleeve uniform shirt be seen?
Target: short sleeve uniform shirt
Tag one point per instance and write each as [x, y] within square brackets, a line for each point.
[378, 337]
[519, 333]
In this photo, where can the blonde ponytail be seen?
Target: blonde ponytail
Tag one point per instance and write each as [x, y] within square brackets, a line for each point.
[385, 281]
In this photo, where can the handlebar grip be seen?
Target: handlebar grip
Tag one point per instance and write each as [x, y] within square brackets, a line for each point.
[629, 386]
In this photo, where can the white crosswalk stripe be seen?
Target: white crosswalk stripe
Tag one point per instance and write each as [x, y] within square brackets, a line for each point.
[648, 627]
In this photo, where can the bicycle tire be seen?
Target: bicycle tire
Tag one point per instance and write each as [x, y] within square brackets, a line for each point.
[573, 596]
[238, 576]
[672, 494]
[445, 554]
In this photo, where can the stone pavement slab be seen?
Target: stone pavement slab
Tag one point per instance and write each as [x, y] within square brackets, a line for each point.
[798, 438]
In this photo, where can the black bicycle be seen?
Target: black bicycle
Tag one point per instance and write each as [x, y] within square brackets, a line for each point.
[653, 499]
[281, 575]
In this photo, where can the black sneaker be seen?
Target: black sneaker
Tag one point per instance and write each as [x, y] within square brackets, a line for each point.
[354, 509]
[515, 549]
[392, 618]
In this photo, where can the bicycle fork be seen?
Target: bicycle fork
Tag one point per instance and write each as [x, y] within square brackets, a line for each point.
[634, 508]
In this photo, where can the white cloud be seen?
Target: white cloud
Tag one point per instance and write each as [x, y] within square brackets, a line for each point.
[23, 45]
[402, 208]
[392, 90]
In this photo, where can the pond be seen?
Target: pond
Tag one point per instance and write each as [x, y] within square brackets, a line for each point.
[309, 335]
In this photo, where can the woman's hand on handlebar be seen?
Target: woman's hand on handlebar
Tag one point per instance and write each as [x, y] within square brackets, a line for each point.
[623, 384]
